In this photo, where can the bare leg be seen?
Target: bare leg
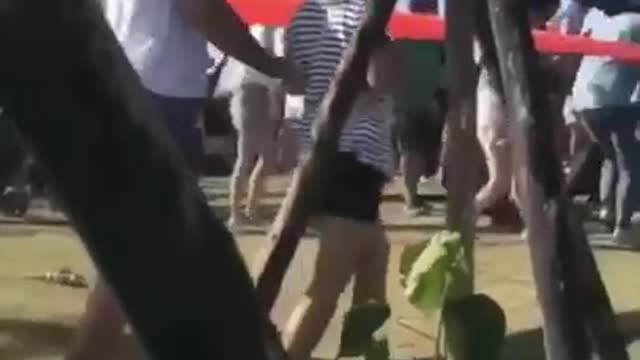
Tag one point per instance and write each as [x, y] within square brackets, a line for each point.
[412, 165]
[247, 107]
[371, 274]
[499, 166]
[341, 243]
[267, 150]
[257, 185]
[494, 141]
[101, 326]
[238, 180]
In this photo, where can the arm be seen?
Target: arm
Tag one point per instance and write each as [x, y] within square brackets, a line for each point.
[219, 23]
[295, 86]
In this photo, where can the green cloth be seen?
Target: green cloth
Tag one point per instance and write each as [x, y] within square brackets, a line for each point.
[424, 72]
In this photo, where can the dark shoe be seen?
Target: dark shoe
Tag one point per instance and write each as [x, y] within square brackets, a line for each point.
[505, 215]
[15, 201]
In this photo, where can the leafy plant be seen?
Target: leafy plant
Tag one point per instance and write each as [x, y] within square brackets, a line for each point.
[435, 275]
[438, 272]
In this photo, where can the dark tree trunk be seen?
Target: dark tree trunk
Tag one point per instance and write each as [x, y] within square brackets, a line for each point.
[307, 184]
[462, 170]
[140, 213]
[576, 309]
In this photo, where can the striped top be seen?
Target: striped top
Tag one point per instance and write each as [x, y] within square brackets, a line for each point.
[319, 33]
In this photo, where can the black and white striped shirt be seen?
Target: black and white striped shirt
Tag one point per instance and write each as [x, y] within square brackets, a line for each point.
[318, 35]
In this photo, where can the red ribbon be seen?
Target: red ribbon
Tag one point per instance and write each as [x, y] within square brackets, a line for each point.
[432, 27]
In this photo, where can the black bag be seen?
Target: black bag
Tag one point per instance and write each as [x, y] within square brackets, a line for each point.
[217, 118]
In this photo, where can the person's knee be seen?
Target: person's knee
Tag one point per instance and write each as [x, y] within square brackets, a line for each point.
[498, 186]
[627, 174]
[242, 169]
[325, 303]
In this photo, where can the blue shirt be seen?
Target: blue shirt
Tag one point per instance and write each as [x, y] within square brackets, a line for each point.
[601, 80]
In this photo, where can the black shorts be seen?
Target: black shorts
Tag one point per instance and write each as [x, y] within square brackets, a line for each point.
[420, 131]
[354, 189]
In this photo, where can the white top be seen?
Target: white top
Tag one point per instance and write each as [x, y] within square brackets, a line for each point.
[170, 57]
[601, 80]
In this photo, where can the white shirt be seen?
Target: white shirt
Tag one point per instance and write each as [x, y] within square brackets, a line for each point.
[169, 56]
[601, 80]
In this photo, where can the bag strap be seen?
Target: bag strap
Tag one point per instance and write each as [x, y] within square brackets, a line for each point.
[214, 77]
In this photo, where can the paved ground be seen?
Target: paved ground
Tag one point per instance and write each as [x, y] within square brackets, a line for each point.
[36, 320]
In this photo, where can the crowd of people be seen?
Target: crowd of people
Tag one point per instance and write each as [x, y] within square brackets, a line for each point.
[183, 51]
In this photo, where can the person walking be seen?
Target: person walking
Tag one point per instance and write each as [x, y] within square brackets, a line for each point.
[166, 43]
[495, 198]
[256, 109]
[604, 98]
[352, 241]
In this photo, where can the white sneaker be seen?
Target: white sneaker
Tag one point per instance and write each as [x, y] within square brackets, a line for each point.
[235, 222]
[605, 214]
[419, 210]
[251, 215]
[626, 238]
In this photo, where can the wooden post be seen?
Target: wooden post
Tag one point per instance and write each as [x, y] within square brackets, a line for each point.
[575, 307]
[461, 126]
[307, 184]
[140, 213]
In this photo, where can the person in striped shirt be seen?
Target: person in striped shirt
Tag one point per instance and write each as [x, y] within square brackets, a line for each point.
[352, 240]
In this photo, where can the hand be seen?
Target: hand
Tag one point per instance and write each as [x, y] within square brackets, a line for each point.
[292, 79]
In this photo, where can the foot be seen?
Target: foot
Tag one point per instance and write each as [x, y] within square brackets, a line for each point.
[417, 209]
[524, 235]
[626, 238]
[505, 215]
[604, 214]
[607, 217]
[251, 214]
[15, 201]
[235, 222]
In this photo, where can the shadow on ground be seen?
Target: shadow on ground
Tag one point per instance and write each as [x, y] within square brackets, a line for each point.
[30, 340]
[528, 345]
[23, 339]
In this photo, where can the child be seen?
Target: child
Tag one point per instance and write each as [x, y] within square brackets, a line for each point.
[352, 239]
